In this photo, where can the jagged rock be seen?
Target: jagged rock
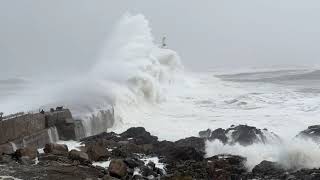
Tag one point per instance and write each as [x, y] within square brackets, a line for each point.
[205, 134]
[195, 142]
[226, 167]
[97, 152]
[78, 156]
[313, 132]
[117, 168]
[185, 153]
[219, 134]
[173, 152]
[133, 162]
[126, 150]
[147, 171]
[114, 137]
[139, 135]
[244, 135]
[57, 149]
[268, 169]
[30, 152]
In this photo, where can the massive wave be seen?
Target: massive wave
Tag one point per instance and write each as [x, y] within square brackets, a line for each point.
[131, 70]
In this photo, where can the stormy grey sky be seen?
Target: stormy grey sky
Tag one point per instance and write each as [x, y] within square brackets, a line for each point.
[67, 34]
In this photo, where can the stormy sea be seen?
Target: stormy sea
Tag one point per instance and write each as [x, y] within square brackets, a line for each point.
[146, 85]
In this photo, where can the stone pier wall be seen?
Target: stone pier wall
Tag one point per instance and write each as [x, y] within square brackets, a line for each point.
[21, 126]
[36, 130]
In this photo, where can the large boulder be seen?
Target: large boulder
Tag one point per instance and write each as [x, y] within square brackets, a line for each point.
[185, 153]
[97, 152]
[133, 162]
[78, 156]
[57, 149]
[220, 134]
[139, 135]
[242, 134]
[312, 132]
[195, 142]
[268, 169]
[118, 168]
[30, 152]
[205, 134]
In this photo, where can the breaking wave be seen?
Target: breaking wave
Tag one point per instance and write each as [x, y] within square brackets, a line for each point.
[292, 154]
[131, 70]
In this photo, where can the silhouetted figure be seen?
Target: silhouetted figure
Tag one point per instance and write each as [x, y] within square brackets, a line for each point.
[164, 45]
[42, 111]
[1, 116]
[51, 109]
[59, 108]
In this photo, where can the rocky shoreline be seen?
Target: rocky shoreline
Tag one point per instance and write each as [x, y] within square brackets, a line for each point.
[129, 156]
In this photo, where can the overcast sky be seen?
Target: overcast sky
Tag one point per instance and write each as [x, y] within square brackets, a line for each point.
[206, 33]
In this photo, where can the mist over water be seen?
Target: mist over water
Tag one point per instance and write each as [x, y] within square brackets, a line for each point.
[144, 85]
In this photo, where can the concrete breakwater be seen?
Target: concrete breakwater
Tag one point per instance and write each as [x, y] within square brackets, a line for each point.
[37, 129]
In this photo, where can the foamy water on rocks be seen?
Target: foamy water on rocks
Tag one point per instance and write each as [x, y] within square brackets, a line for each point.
[148, 86]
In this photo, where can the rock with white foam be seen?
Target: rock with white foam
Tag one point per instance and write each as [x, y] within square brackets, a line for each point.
[243, 134]
[312, 132]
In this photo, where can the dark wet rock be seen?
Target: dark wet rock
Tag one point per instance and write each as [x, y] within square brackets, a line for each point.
[53, 157]
[226, 167]
[140, 135]
[306, 174]
[268, 169]
[133, 162]
[195, 142]
[78, 156]
[97, 152]
[111, 137]
[51, 170]
[244, 135]
[185, 153]
[187, 170]
[183, 159]
[118, 168]
[57, 149]
[205, 134]
[30, 152]
[313, 132]
[219, 134]
[127, 150]
[173, 152]
[147, 171]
